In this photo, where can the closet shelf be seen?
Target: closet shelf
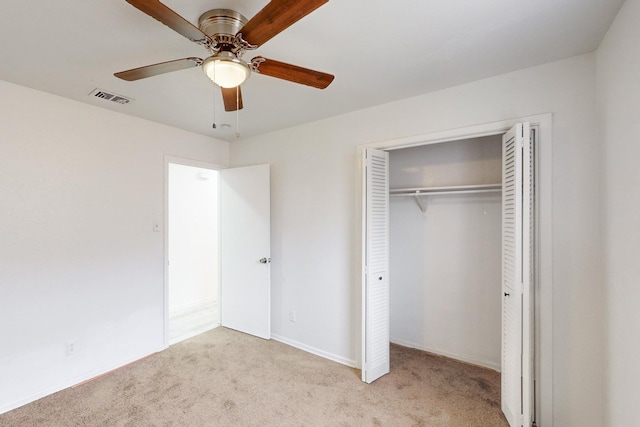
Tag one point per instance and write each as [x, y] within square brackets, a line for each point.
[435, 191]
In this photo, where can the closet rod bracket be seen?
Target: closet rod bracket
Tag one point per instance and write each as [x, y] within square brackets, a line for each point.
[422, 205]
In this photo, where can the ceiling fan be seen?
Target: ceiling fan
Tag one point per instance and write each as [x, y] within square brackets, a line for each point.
[227, 35]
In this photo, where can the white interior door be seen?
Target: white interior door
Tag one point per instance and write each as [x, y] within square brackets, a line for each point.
[517, 274]
[245, 250]
[375, 289]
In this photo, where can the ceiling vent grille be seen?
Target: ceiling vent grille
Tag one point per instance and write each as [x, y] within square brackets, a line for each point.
[103, 94]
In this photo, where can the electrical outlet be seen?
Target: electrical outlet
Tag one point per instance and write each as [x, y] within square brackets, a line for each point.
[72, 347]
[292, 316]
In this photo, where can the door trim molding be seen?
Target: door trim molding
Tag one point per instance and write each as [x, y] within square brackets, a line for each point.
[543, 239]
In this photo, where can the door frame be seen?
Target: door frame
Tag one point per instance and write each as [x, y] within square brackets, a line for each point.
[165, 230]
[543, 339]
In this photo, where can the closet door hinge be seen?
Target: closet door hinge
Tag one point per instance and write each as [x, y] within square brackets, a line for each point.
[524, 424]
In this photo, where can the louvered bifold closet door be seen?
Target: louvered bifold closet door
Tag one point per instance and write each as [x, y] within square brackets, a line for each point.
[376, 282]
[517, 232]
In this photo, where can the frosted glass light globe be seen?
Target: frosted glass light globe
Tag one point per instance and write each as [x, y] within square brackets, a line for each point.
[226, 70]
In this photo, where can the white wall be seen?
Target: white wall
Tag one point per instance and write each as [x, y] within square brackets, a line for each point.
[316, 216]
[445, 286]
[619, 98]
[463, 162]
[81, 189]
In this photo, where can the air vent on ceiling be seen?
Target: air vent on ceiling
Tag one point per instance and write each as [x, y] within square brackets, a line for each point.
[119, 99]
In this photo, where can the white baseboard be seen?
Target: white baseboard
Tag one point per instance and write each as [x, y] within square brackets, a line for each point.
[312, 350]
[471, 360]
[69, 383]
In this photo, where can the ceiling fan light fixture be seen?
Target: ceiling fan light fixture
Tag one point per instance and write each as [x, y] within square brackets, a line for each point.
[226, 70]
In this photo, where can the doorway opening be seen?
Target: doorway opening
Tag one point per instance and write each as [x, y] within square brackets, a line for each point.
[217, 249]
[193, 267]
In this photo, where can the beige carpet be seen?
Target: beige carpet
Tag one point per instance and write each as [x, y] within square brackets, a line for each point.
[226, 378]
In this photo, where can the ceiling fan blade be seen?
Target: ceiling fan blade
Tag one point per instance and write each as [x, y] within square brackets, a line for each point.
[275, 17]
[292, 73]
[156, 69]
[231, 103]
[168, 17]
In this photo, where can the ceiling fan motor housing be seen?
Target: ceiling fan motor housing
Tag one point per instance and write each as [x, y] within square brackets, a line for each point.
[222, 25]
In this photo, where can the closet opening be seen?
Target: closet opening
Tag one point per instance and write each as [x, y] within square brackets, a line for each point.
[445, 249]
[451, 259]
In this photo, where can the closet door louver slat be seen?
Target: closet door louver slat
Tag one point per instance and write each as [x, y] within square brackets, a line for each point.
[517, 235]
[376, 281]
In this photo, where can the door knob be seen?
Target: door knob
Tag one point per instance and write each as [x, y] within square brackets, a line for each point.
[506, 294]
[264, 260]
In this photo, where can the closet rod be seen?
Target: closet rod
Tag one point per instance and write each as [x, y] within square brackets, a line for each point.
[434, 191]
[453, 189]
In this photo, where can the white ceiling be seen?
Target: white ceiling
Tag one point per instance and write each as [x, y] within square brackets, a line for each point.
[379, 51]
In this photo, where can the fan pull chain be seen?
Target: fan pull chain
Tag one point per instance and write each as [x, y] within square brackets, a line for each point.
[214, 101]
[238, 111]
[214, 110]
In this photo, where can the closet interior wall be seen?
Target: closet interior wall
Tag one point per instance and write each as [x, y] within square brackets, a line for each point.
[445, 262]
